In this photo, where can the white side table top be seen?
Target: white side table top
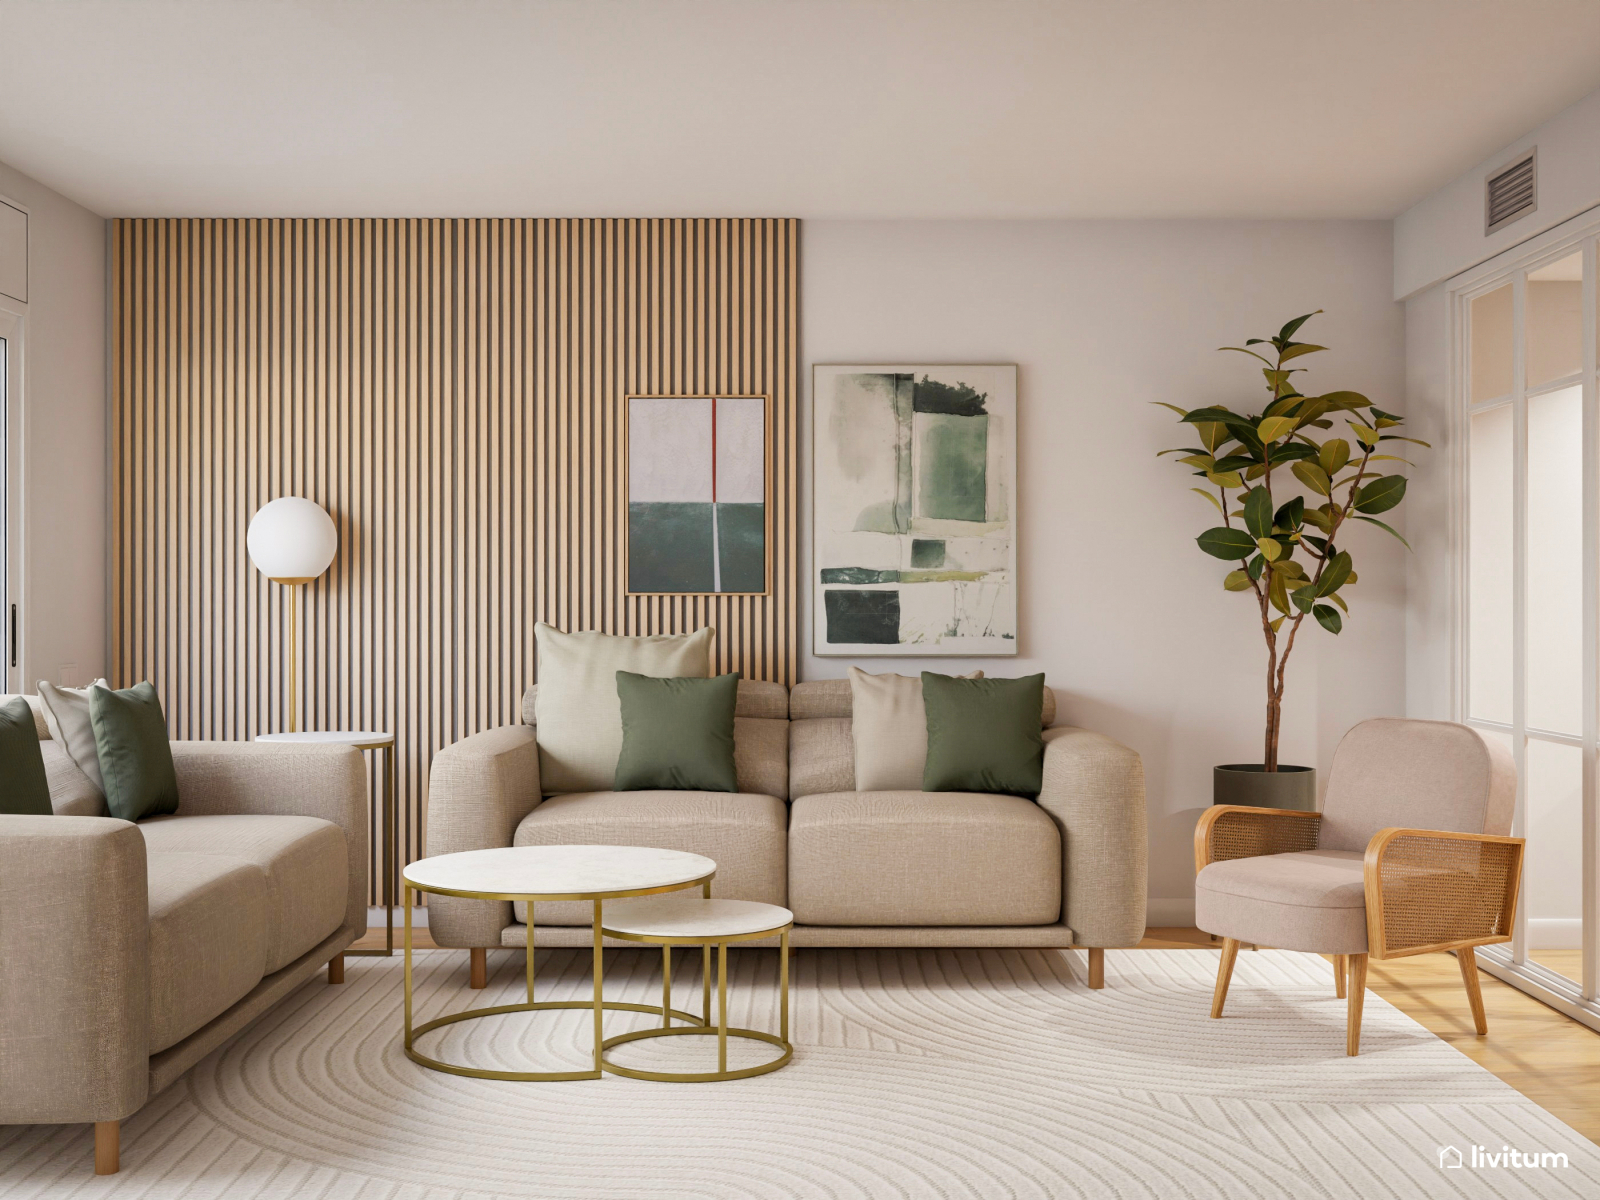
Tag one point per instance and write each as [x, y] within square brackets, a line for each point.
[682, 916]
[366, 739]
[550, 872]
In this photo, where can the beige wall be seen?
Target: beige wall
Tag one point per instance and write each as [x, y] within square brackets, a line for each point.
[1118, 607]
[63, 631]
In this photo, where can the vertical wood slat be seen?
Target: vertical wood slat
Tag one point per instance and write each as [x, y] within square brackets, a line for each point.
[451, 391]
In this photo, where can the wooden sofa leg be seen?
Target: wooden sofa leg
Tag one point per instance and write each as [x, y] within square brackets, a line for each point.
[1230, 951]
[1097, 967]
[1341, 965]
[480, 966]
[336, 969]
[107, 1147]
[1358, 993]
[1468, 958]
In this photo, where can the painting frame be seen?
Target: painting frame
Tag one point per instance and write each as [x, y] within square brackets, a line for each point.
[951, 592]
[630, 455]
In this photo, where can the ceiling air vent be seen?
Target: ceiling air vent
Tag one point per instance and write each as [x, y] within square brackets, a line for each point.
[1511, 192]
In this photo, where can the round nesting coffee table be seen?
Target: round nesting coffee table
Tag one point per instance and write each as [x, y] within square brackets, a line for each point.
[534, 873]
[669, 921]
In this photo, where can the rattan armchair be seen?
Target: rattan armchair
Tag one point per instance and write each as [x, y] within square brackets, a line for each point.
[1336, 883]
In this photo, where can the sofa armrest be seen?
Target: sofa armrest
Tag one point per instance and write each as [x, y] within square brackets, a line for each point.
[1094, 791]
[289, 779]
[478, 792]
[74, 970]
[1227, 831]
[1431, 890]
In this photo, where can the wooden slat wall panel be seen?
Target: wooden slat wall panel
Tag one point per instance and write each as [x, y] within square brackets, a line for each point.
[451, 391]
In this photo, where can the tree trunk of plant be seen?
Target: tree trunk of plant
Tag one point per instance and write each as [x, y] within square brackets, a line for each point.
[1269, 756]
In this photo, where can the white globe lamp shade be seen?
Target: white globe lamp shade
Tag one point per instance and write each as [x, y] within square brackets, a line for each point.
[291, 540]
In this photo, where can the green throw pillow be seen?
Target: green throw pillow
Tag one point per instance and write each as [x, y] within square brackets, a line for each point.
[130, 737]
[983, 735]
[677, 734]
[24, 790]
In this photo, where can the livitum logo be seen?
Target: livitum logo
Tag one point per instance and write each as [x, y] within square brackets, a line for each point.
[1481, 1157]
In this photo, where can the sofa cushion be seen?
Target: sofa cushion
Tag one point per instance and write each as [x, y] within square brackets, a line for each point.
[982, 736]
[208, 939]
[761, 756]
[742, 833]
[71, 792]
[1311, 900]
[821, 756]
[923, 858]
[302, 858]
[889, 728]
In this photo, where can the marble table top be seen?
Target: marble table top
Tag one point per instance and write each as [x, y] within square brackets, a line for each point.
[538, 872]
[367, 738]
[680, 916]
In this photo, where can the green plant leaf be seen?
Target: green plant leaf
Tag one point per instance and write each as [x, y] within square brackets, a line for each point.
[1335, 453]
[1293, 451]
[1202, 462]
[1255, 566]
[1289, 569]
[1349, 401]
[1277, 621]
[1212, 434]
[1291, 514]
[1227, 479]
[1328, 617]
[1237, 581]
[1334, 573]
[1251, 353]
[1209, 496]
[1395, 437]
[1303, 598]
[1381, 494]
[1277, 592]
[1233, 462]
[1270, 429]
[1226, 543]
[1381, 525]
[1391, 458]
[1315, 516]
[1313, 476]
[1258, 512]
[1290, 329]
[1209, 413]
[1297, 351]
[1271, 549]
[1339, 600]
[1173, 407]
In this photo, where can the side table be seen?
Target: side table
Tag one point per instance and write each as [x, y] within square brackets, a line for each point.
[363, 740]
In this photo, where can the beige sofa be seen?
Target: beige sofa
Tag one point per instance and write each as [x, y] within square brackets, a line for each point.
[857, 868]
[128, 952]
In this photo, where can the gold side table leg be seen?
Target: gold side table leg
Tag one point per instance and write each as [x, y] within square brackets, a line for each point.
[530, 951]
[408, 965]
[783, 985]
[390, 820]
[599, 1012]
[666, 987]
[705, 983]
[722, 1007]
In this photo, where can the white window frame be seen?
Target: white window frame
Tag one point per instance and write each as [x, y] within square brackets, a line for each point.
[1577, 999]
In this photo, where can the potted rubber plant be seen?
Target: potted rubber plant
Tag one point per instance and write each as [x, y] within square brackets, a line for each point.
[1289, 489]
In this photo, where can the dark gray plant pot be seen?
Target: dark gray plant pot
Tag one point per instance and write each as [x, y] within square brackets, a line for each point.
[1250, 784]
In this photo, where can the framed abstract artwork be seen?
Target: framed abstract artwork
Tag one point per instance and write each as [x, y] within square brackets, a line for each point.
[697, 472]
[915, 501]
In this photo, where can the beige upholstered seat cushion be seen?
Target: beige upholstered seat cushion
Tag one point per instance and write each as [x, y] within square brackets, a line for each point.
[302, 859]
[72, 794]
[208, 939]
[577, 709]
[821, 756]
[743, 834]
[1310, 900]
[923, 858]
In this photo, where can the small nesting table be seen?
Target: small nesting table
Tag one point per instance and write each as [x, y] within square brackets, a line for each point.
[669, 921]
[534, 873]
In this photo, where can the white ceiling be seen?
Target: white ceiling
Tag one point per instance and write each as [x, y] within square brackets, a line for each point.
[811, 108]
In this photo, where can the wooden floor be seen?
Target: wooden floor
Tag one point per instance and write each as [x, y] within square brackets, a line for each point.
[1549, 1058]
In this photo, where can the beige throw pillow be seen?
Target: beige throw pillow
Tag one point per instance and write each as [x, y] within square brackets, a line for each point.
[66, 712]
[890, 728]
[579, 714]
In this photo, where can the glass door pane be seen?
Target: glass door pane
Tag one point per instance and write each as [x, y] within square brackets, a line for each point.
[1552, 869]
[1491, 345]
[1555, 321]
[1489, 586]
[1555, 562]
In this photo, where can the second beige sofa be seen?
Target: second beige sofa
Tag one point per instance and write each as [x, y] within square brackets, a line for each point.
[856, 868]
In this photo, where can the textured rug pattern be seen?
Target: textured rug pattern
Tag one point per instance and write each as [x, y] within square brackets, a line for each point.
[924, 1073]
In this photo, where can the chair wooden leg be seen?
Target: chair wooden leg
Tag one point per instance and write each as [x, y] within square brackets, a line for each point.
[1358, 993]
[1230, 951]
[107, 1147]
[480, 966]
[1468, 959]
[336, 969]
[1097, 967]
[1341, 965]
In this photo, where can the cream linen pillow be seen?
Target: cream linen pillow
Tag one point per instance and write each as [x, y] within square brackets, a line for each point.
[66, 712]
[579, 714]
[890, 728]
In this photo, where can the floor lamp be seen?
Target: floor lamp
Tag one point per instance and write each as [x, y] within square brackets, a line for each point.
[291, 541]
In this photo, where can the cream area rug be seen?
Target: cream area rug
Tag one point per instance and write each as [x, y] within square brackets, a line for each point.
[917, 1073]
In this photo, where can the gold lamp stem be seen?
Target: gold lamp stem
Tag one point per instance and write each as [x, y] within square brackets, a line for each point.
[294, 657]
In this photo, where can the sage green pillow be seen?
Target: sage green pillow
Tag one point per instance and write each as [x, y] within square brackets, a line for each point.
[983, 735]
[24, 788]
[130, 737]
[677, 734]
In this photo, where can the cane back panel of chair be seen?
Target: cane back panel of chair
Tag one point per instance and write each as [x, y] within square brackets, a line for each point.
[1247, 833]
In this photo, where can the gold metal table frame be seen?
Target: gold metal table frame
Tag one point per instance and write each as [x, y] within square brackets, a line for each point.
[702, 1026]
[599, 1004]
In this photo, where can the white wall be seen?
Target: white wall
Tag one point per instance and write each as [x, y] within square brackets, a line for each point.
[1431, 519]
[1442, 234]
[1120, 609]
[64, 437]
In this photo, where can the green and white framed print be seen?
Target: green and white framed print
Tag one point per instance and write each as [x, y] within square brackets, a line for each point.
[697, 495]
[915, 498]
